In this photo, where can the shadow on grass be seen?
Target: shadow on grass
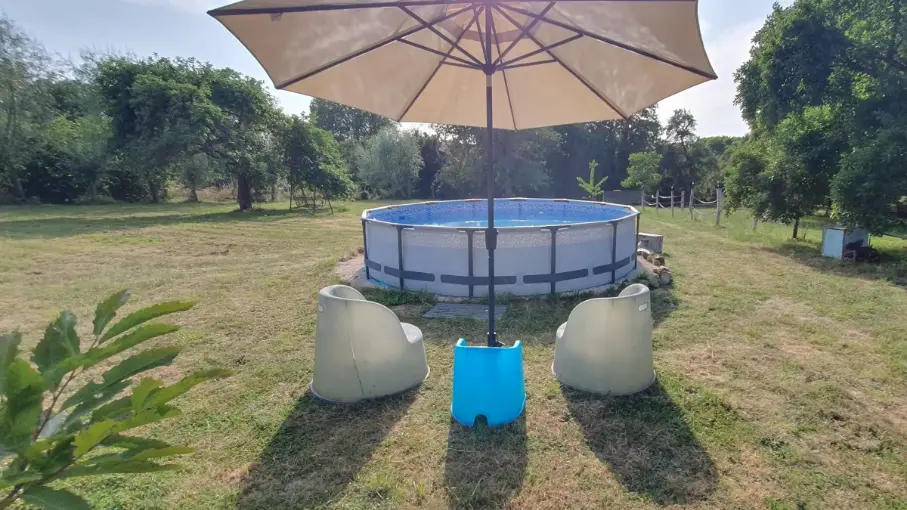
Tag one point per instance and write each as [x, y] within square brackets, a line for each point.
[318, 451]
[892, 264]
[646, 443]
[67, 226]
[485, 467]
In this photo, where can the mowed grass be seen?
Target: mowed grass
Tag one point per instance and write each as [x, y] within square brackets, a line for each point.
[781, 375]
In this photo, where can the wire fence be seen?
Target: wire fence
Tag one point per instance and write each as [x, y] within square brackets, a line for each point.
[685, 202]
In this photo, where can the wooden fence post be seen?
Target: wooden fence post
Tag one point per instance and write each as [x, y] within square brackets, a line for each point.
[692, 198]
[719, 199]
[672, 201]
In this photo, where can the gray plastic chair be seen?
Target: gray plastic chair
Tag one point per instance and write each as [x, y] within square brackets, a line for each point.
[362, 350]
[606, 344]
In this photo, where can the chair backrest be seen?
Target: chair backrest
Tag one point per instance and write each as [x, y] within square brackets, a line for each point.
[356, 339]
[607, 346]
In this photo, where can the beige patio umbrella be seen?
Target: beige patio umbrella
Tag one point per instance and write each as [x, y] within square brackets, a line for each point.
[539, 63]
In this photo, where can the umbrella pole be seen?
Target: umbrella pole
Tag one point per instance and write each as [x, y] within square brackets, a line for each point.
[491, 235]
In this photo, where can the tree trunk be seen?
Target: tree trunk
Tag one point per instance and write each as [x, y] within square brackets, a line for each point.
[274, 192]
[193, 194]
[243, 193]
[796, 227]
[155, 191]
[18, 191]
[827, 207]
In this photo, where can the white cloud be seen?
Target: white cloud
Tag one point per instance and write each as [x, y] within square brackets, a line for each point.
[712, 103]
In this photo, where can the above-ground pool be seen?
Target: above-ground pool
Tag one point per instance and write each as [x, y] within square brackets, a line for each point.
[544, 246]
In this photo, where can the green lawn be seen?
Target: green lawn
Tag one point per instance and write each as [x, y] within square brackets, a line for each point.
[781, 375]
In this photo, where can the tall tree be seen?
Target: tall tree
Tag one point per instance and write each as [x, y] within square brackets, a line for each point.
[346, 122]
[389, 163]
[850, 57]
[25, 72]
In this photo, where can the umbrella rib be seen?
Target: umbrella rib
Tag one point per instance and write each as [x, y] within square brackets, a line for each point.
[228, 11]
[479, 31]
[365, 50]
[497, 43]
[441, 53]
[565, 66]
[527, 64]
[431, 26]
[438, 67]
[612, 42]
[540, 50]
[520, 36]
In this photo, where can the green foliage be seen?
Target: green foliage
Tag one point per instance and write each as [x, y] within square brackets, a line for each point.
[345, 122]
[389, 163]
[520, 161]
[825, 82]
[592, 188]
[643, 171]
[314, 160]
[51, 439]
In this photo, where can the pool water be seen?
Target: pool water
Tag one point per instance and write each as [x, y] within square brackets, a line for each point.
[508, 213]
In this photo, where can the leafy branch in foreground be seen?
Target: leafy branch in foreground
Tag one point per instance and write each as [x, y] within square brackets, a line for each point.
[45, 437]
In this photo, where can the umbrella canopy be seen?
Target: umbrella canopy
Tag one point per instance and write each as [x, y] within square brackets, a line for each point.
[542, 63]
[425, 61]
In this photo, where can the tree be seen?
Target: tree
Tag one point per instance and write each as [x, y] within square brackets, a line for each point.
[346, 122]
[643, 172]
[610, 143]
[81, 143]
[389, 163]
[592, 188]
[25, 70]
[744, 177]
[687, 159]
[520, 161]
[432, 161]
[850, 57]
[313, 160]
[197, 171]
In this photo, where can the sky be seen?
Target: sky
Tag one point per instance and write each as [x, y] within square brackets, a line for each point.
[172, 28]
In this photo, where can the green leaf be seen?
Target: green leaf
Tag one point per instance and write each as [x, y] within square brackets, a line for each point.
[24, 395]
[107, 310]
[9, 349]
[114, 410]
[148, 416]
[52, 454]
[92, 436]
[13, 480]
[59, 343]
[127, 368]
[157, 453]
[54, 499]
[141, 391]
[164, 395]
[133, 443]
[124, 343]
[128, 466]
[73, 421]
[145, 315]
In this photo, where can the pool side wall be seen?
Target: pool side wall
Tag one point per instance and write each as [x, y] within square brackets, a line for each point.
[529, 260]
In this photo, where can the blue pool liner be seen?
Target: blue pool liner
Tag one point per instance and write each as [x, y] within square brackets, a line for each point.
[488, 381]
